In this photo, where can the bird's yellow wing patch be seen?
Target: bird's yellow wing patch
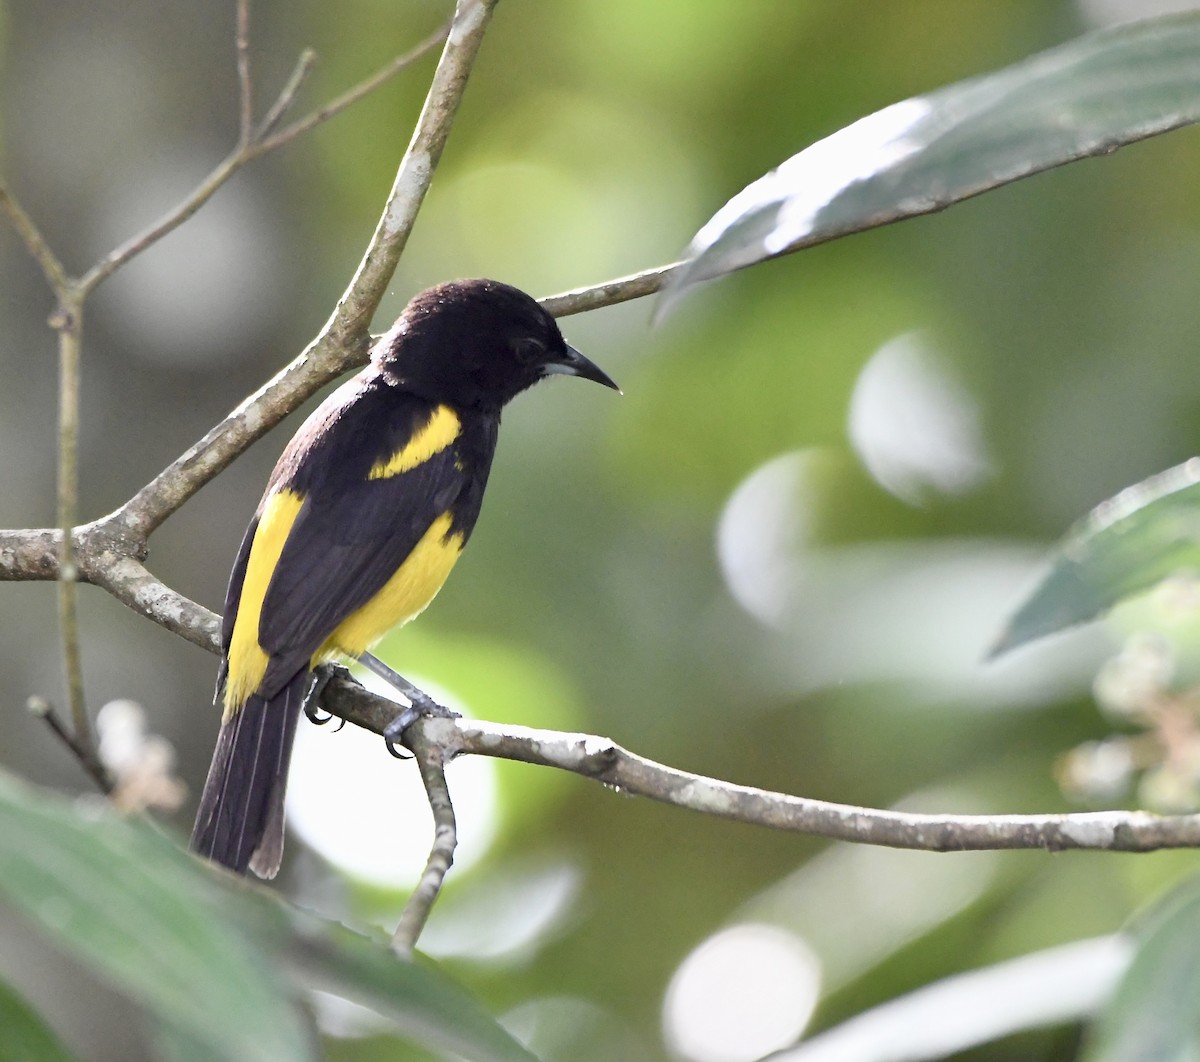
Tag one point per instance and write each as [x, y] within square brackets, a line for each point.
[443, 428]
[403, 597]
[247, 660]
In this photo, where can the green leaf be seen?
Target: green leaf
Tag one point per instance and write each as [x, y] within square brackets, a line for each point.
[1126, 545]
[1087, 97]
[221, 964]
[424, 1001]
[1053, 986]
[130, 904]
[172, 1044]
[1155, 1013]
[23, 1035]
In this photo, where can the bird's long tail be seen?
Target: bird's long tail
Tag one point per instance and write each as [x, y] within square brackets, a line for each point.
[240, 820]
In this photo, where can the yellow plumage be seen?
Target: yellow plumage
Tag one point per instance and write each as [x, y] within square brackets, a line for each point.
[367, 512]
[443, 428]
[404, 596]
[247, 661]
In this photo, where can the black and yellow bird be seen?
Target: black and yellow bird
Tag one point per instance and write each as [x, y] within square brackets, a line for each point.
[364, 516]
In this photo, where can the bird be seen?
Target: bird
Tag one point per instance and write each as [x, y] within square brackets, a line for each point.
[364, 516]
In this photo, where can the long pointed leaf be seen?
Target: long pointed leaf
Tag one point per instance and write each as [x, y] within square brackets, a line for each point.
[1051, 987]
[1125, 546]
[427, 1005]
[220, 964]
[1154, 1014]
[1087, 97]
[124, 900]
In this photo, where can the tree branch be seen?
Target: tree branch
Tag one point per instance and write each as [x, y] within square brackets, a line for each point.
[336, 106]
[88, 758]
[605, 761]
[35, 243]
[611, 292]
[247, 148]
[356, 307]
[31, 555]
[68, 320]
[245, 82]
[431, 762]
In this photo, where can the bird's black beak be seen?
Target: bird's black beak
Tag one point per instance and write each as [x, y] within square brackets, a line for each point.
[575, 364]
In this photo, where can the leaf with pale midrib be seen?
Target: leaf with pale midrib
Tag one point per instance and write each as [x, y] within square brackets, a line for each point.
[1085, 98]
[221, 964]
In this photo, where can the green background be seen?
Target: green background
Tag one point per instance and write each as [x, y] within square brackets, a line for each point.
[595, 138]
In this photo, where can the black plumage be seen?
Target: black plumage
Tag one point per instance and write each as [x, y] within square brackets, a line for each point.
[362, 519]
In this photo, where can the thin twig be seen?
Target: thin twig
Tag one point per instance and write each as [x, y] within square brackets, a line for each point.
[245, 82]
[344, 340]
[68, 320]
[431, 763]
[324, 359]
[35, 243]
[304, 67]
[88, 759]
[346, 99]
[362, 296]
[170, 221]
[248, 148]
[610, 292]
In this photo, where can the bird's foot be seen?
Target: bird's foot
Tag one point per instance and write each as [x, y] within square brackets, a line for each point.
[322, 676]
[422, 705]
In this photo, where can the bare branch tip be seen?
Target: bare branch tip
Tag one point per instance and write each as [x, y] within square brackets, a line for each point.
[308, 58]
[305, 65]
[88, 760]
[245, 81]
[430, 758]
[35, 243]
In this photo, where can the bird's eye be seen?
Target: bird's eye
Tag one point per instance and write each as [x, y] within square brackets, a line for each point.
[528, 350]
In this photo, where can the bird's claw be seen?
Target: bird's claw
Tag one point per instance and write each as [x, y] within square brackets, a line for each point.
[424, 705]
[313, 711]
[322, 676]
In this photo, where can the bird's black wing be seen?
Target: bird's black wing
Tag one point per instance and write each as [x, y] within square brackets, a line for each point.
[353, 532]
[345, 545]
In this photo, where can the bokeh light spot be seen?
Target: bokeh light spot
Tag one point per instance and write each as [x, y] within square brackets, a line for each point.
[746, 991]
[763, 525]
[915, 427]
[366, 812]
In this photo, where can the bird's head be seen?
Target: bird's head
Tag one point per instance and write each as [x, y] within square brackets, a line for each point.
[477, 344]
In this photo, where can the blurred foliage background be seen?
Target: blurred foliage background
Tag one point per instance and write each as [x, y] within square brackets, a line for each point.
[779, 558]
